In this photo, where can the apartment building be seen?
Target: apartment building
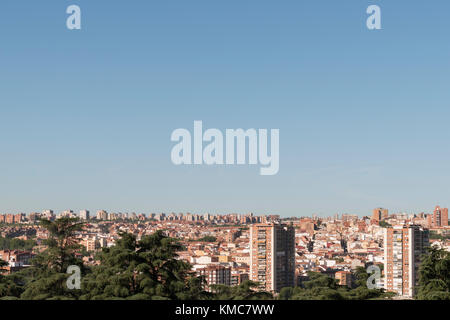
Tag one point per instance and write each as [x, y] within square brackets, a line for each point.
[215, 274]
[380, 214]
[440, 217]
[272, 256]
[344, 277]
[403, 248]
[84, 214]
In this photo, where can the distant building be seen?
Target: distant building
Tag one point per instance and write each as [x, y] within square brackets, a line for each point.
[440, 217]
[403, 247]
[237, 277]
[215, 274]
[48, 214]
[344, 277]
[102, 215]
[91, 244]
[380, 214]
[84, 214]
[272, 256]
[16, 259]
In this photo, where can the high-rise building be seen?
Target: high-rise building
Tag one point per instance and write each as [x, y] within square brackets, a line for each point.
[102, 215]
[84, 214]
[403, 248]
[380, 214]
[440, 217]
[48, 214]
[272, 256]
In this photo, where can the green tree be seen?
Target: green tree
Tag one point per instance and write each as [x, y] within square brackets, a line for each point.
[47, 277]
[14, 243]
[322, 287]
[384, 224]
[145, 269]
[247, 290]
[207, 239]
[434, 275]
[9, 289]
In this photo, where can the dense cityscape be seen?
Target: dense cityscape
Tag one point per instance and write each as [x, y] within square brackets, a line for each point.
[268, 255]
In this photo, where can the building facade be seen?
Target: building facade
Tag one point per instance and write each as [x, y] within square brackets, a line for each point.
[403, 248]
[84, 214]
[440, 217]
[345, 278]
[380, 214]
[215, 274]
[272, 256]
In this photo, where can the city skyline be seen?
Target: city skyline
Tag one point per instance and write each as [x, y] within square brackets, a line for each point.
[439, 214]
[282, 258]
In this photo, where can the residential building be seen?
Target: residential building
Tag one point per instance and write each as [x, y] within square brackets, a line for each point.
[380, 214]
[215, 274]
[344, 277]
[84, 214]
[440, 217]
[272, 256]
[403, 248]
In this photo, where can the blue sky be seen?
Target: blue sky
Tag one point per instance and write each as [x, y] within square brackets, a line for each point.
[86, 116]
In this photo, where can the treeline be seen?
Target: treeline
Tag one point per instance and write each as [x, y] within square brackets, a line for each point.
[437, 236]
[149, 269]
[322, 287]
[16, 244]
[205, 239]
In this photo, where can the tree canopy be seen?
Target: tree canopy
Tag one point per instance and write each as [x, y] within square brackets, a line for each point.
[145, 269]
[434, 275]
[322, 287]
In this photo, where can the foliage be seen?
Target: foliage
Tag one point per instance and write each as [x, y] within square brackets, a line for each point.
[384, 224]
[16, 244]
[207, 239]
[322, 287]
[47, 277]
[145, 269]
[434, 275]
[436, 236]
[8, 287]
[245, 291]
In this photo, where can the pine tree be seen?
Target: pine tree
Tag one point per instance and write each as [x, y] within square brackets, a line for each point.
[434, 275]
[145, 269]
[247, 290]
[47, 277]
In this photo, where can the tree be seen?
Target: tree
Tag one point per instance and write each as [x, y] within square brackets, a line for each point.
[434, 275]
[145, 269]
[207, 239]
[247, 290]
[8, 287]
[47, 277]
[322, 287]
[384, 224]
[14, 243]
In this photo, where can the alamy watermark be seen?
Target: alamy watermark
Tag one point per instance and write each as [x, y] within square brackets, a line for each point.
[229, 151]
[73, 21]
[74, 280]
[373, 282]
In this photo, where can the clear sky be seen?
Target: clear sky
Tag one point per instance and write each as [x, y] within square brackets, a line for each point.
[86, 116]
